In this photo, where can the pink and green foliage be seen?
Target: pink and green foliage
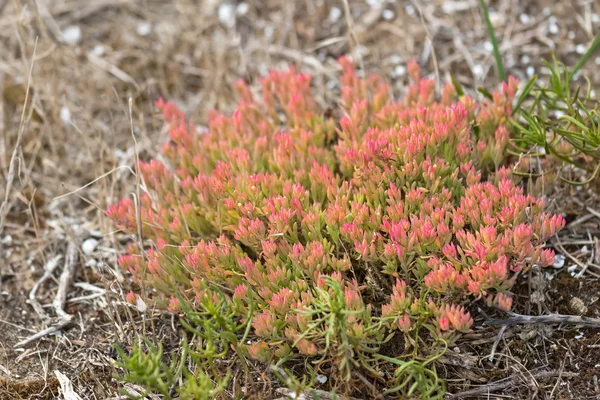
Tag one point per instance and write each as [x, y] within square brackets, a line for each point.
[333, 233]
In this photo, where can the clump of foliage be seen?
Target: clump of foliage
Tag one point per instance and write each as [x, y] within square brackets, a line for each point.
[555, 118]
[287, 235]
[560, 120]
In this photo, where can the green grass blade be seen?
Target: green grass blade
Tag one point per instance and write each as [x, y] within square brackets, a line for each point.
[525, 93]
[458, 87]
[492, 35]
[486, 93]
[584, 58]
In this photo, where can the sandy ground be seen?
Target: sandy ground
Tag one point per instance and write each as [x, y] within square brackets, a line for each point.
[68, 154]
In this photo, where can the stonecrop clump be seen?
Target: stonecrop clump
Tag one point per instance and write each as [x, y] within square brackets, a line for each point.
[328, 237]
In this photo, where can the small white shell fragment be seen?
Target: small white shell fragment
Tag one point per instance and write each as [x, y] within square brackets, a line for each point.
[141, 306]
[559, 261]
[99, 50]
[530, 71]
[65, 115]
[226, 14]
[334, 14]
[72, 35]
[580, 48]
[388, 15]
[89, 246]
[242, 9]
[144, 28]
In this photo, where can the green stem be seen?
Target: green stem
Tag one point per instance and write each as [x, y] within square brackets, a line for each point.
[492, 35]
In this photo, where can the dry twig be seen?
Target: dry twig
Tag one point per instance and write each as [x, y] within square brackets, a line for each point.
[550, 319]
[508, 382]
[61, 297]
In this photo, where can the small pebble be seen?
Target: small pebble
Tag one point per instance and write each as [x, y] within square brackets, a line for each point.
[400, 70]
[388, 15]
[525, 59]
[395, 59]
[525, 19]
[7, 240]
[89, 246]
[559, 261]
[410, 9]
[374, 3]
[596, 18]
[141, 306]
[477, 70]
[597, 60]
[242, 9]
[72, 35]
[99, 50]
[488, 46]
[530, 71]
[65, 115]
[321, 378]
[226, 14]
[553, 29]
[571, 35]
[580, 48]
[334, 15]
[144, 28]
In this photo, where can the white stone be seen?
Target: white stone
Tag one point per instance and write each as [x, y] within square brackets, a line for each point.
[242, 9]
[388, 15]
[395, 59]
[580, 48]
[144, 28]
[141, 306]
[89, 246]
[72, 35]
[559, 261]
[321, 378]
[525, 19]
[99, 50]
[478, 70]
[65, 115]
[400, 70]
[334, 14]
[226, 14]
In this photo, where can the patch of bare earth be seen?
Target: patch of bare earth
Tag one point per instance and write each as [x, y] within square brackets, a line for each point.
[75, 153]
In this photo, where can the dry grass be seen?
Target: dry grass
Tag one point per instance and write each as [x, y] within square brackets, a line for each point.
[92, 56]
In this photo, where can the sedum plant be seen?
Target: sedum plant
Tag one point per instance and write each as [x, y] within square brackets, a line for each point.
[351, 245]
